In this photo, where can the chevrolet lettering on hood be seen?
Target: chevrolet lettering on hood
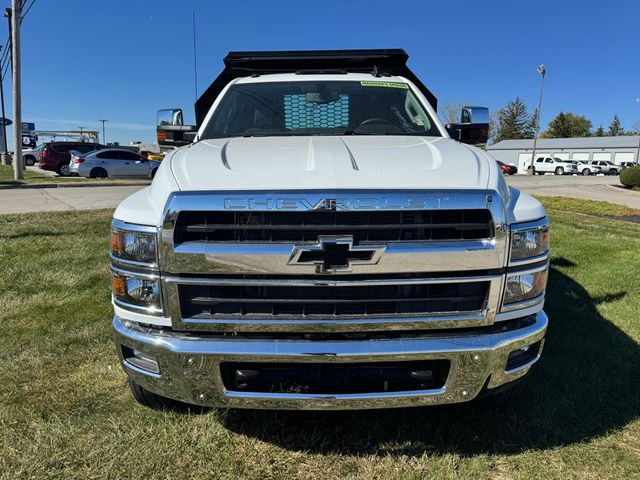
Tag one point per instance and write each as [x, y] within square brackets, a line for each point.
[335, 204]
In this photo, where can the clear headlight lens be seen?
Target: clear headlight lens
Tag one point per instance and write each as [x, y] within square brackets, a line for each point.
[137, 291]
[531, 242]
[525, 286]
[135, 246]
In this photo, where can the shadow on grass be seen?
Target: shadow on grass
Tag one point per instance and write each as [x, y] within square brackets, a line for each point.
[586, 384]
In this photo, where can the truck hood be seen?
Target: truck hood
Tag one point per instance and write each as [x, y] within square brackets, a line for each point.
[331, 163]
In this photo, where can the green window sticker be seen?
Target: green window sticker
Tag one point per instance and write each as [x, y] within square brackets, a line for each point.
[368, 83]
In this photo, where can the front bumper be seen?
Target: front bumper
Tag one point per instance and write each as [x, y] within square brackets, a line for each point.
[189, 365]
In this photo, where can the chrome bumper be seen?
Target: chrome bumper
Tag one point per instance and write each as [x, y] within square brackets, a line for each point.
[189, 365]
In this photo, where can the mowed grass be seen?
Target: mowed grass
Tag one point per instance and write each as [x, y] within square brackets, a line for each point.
[65, 410]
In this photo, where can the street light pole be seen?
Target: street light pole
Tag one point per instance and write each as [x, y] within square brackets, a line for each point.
[542, 71]
[104, 136]
[4, 122]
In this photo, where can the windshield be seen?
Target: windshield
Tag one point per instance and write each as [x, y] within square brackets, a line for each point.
[319, 108]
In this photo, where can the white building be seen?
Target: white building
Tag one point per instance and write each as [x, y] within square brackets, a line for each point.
[616, 149]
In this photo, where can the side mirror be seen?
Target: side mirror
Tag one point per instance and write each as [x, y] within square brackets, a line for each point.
[170, 129]
[473, 128]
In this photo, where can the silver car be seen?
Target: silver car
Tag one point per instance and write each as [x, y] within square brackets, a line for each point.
[112, 163]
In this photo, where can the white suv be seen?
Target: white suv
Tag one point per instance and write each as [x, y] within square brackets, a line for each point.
[554, 165]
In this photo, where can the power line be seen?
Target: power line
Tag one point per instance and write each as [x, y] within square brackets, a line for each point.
[27, 11]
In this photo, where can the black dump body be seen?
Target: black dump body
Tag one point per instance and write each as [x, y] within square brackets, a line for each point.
[379, 62]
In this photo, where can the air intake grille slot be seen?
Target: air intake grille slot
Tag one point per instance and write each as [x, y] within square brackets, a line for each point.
[370, 226]
[237, 301]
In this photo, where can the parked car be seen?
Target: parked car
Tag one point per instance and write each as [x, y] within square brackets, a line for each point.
[507, 169]
[585, 168]
[55, 156]
[31, 156]
[113, 163]
[606, 167]
[554, 165]
[624, 165]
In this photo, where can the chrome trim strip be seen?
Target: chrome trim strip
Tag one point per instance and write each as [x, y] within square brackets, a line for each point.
[276, 282]
[132, 263]
[190, 365]
[538, 224]
[135, 273]
[527, 261]
[539, 268]
[509, 307]
[130, 306]
[133, 227]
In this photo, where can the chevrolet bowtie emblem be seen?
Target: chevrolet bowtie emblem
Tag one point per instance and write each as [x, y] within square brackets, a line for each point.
[335, 254]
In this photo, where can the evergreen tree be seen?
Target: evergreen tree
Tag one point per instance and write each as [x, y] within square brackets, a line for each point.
[600, 132]
[513, 121]
[616, 127]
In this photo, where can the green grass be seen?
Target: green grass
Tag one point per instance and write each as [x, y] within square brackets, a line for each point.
[6, 178]
[65, 411]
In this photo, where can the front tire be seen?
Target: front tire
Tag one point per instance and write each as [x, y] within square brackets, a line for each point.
[559, 171]
[586, 172]
[29, 161]
[613, 172]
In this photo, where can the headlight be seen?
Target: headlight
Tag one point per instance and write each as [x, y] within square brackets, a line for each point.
[137, 246]
[529, 240]
[525, 286]
[137, 291]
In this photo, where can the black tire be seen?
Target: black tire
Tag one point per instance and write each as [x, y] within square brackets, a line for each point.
[153, 172]
[540, 173]
[158, 402]
[30, 160]
[98, 173]
[63, 170]
[586, 172]
[559, 171]
[613, 172]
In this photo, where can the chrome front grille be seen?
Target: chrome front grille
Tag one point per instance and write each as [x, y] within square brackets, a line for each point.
[336, 300]
[367, 226]
[235, 262]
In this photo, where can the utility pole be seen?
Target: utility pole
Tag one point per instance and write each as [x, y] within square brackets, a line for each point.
[16, 13]
[104, 136]
[542, 71]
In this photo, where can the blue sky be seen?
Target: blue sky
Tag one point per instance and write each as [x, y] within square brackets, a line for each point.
[122, 60]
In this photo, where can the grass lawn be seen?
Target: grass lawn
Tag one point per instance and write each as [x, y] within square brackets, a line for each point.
[65, 411]
[6, 178]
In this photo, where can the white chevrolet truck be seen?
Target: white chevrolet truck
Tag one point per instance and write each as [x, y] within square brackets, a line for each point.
[321, 241]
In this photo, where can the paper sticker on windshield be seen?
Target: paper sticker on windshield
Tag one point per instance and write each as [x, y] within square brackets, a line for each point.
[369, 83]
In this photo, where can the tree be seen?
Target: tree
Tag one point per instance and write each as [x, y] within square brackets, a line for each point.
[450, 112]
[513, 121]
[568, 125]
[599, 132]
[616, 127]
